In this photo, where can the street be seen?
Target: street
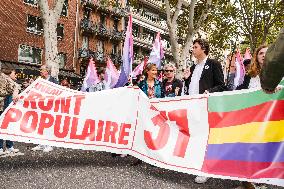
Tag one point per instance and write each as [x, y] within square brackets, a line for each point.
[66, 168]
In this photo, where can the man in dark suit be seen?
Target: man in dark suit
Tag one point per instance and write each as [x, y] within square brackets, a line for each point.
[206, 77]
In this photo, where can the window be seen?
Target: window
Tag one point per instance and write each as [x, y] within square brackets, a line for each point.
[102, 19]
[115, 25]
[34, 25]
[135, 30]
[31, 2]
[100, 46]
[114, 49]
[29, 54]
[85, 42]
[60, 31]
[62, 59]
[65, 8]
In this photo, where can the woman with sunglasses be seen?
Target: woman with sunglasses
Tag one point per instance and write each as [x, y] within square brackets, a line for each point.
[172, 86]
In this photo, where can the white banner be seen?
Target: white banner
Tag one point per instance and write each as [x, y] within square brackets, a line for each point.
[170, 133]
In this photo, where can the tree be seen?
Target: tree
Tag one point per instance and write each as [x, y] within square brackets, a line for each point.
[50, 18]
[183, 31]
[255, 21]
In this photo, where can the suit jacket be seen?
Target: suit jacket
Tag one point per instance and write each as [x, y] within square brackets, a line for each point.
[273, 67]
[53, 80]
[212, 78]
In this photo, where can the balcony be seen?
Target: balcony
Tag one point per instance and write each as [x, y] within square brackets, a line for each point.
[88, 4]
[87, 27]
[103, 31]
[104, 6]
[117, 36]
[155, 3]
[140, 15]
[85, 53]
[119, 12]
[144, 40]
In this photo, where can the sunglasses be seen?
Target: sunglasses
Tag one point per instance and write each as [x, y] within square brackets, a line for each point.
[169, 70]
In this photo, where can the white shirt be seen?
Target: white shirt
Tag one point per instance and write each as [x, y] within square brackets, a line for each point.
[194, 83]
[254, 82]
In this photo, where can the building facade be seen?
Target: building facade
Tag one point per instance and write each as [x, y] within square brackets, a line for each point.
[86, 28]
[22, 40]
[101, 32]
[149, 19]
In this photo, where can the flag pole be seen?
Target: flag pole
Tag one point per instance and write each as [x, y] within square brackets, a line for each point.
[230, 63]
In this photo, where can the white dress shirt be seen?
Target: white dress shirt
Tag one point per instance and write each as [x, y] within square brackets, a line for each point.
[193, 88]
[254, 82]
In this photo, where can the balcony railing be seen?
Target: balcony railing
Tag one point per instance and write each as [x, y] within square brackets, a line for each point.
[85, 53]
[161, 24]
[143, 38]
[119, 12]
[88, 3]
[157, 3]
[87, 27]
[104, 6]
[103, 30]
[116, 35]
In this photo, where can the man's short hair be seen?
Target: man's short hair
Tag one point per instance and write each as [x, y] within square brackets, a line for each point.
[171, 66]
[204, 45]
[46, 67]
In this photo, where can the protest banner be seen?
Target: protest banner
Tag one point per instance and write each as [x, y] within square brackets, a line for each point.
[230, 135]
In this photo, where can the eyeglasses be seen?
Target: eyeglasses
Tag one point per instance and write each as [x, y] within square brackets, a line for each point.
[169, 70]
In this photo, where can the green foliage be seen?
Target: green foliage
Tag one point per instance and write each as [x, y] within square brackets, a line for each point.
[256, 21]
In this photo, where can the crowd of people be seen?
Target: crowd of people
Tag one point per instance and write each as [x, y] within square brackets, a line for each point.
[205, 76]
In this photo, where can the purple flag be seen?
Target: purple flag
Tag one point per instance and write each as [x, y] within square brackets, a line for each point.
[127, 56]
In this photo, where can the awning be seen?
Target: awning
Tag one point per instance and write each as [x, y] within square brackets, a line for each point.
[25, 71]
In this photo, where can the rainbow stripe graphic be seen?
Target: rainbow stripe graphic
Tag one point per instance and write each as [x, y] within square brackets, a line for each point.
[246, 137]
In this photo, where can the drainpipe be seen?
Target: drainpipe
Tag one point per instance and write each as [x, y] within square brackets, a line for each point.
[75, 57]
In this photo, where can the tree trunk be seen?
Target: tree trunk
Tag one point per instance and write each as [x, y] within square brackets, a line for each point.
[50, 18]
[50, 41]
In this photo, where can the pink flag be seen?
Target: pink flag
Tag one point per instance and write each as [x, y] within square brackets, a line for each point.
[91, 77]
[145, 62]
[247, 54]
[160, 77]
[111, 74]
[240, 70]
[139, 69]
[157, 53]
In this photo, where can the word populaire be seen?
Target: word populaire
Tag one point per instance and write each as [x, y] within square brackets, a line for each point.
[64, 120]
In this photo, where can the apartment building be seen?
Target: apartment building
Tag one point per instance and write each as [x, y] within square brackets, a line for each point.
[148, 19]
[101, 32]
[22, 41]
